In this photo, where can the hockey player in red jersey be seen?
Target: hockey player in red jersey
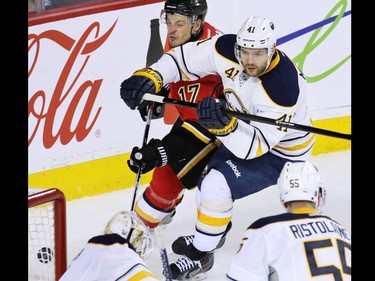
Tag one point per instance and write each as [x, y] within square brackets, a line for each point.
[189, 144]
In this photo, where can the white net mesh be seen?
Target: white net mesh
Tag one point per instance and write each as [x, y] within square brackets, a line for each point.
[41, 265]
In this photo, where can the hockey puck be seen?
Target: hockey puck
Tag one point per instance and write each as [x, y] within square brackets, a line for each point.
[45, 255]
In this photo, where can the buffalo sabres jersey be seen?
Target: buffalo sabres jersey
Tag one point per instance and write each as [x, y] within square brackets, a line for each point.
[293, 247]
[279, 93]
[108, 258]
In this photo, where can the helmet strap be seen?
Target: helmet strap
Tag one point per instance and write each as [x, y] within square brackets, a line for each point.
[195, 37]
[269, 60]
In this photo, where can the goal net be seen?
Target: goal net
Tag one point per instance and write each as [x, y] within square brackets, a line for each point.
[47, 234]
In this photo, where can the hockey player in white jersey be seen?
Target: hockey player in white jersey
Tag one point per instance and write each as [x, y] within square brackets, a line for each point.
[298, 245]
[117, 255]
[258, 79]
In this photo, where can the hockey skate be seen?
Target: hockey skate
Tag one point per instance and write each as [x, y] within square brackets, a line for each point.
[167, 220]
[128, 225]
[193, 267]
[179, 245]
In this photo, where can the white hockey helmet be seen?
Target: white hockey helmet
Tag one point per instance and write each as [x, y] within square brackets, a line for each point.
[300, 181]
[256, 33]
[128, 225]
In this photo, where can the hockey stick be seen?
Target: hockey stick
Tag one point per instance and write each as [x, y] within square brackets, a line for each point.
[145, 137]
[251, 117]
[163, 252]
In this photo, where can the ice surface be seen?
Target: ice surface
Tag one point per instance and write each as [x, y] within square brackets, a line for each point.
[88, 216]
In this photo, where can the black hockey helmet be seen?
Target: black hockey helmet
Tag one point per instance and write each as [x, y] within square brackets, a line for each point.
[197, 8]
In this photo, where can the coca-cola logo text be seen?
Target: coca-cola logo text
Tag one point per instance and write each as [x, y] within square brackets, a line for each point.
[44, 106]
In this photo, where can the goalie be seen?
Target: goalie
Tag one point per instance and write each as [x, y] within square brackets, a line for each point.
[118, 254]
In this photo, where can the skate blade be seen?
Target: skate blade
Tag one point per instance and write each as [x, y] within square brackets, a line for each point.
[200, 276]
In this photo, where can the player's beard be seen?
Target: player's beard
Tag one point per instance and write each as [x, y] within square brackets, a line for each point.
[254, 70]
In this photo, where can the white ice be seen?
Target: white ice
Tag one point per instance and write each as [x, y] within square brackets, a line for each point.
[88, 216]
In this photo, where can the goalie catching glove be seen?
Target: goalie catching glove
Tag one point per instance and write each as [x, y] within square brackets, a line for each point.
[211, 116]
[141, 82]
[148, 157]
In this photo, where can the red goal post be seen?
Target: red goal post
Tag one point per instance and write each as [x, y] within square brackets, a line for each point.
[47, 234]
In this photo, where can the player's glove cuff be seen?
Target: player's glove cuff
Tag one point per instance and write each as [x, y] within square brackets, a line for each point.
[227, 129]
[153, 75]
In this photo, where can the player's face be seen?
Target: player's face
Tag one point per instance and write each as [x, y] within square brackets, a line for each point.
[179, 29]
[254, 60]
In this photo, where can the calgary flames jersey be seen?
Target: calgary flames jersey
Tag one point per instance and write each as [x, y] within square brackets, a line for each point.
[192, 91]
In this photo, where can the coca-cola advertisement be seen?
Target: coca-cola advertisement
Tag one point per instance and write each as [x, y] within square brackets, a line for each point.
[76, 66]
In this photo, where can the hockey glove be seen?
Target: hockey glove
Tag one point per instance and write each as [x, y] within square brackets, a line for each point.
[211, 116]
[158, 110]
[142, 81]
[148, 157]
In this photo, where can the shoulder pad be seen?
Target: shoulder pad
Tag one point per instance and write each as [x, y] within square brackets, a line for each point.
[225, 46]
[281, 83]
